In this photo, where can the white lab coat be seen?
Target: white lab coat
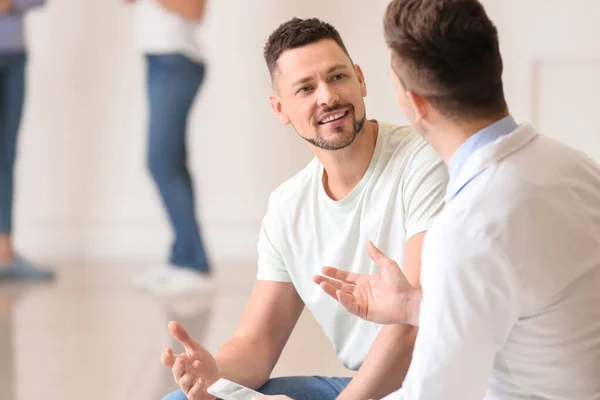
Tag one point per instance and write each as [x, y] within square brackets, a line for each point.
[511, 279]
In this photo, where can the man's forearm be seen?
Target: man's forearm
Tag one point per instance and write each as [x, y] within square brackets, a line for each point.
[192, 10]
[385, 366]
[246, 362]
[413, 306]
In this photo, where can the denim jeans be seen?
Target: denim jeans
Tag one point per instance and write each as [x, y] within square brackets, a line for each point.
[12, 94]
[295, 387]
[173, 82]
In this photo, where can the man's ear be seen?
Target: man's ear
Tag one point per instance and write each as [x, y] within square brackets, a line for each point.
[361, 80]
[420, 106]
[278, 109]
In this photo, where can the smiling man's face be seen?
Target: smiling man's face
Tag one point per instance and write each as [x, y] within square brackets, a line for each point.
[321, 93]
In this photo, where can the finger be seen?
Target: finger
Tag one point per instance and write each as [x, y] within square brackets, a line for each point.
[388, 267]
[380, 259]
[338, 285]
[329, 289]
[196, 391]
[167, 358]
[348, 302]
[340, 275]
[186, 382]
[178, 368]
[197, 364]
[179, 333]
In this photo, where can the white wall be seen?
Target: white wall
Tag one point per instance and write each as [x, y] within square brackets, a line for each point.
[83, 190]
[552, 66]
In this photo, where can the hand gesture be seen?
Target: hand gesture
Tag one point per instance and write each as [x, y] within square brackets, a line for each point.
[385, 298]
[195, 370]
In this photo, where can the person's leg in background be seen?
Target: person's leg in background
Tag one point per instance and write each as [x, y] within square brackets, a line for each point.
[173, 82]
[295, 387]
[12, 94]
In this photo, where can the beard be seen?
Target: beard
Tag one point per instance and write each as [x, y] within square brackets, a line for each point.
[342, 141]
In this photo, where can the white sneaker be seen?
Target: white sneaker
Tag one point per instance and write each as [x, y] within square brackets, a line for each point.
[181, 281]
[145, 279]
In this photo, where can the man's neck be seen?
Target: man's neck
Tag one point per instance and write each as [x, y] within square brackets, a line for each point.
[447, 139]
[343, 169]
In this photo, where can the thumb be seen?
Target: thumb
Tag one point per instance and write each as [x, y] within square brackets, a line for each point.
[388, 267]
[179, 333]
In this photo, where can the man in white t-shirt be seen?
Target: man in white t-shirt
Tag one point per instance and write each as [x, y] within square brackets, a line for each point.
[369, 181]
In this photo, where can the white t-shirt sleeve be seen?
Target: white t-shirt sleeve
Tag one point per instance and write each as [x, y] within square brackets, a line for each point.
[271, 266]
[423, 190]
[470, 303]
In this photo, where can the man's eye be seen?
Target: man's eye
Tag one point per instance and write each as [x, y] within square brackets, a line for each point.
[304, 89]
[339, 76]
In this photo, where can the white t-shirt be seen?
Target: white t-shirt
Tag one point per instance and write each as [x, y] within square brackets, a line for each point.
[305, 230]
[511, 279]
[159, 30]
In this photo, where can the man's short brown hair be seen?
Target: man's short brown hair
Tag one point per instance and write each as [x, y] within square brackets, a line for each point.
[297, 33]
[447, 51]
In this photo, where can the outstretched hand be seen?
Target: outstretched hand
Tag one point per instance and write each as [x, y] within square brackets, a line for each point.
[194, 370]
[386, 297]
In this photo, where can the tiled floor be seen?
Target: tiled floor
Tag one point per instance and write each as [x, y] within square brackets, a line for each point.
[91, 336]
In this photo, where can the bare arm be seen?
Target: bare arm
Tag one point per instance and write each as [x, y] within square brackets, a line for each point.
[385, 367]
[250, 355]
[192, 10]
[5, 6]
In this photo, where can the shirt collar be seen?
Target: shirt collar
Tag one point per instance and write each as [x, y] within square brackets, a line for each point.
[487, 135]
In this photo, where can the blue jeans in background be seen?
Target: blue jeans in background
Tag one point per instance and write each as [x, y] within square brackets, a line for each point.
[12, 94]
[173, 82]
[295, 387]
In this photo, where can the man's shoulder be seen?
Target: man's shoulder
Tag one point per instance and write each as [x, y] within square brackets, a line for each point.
[397, 135]
[483, 208]
[406, 144]
[294, 189]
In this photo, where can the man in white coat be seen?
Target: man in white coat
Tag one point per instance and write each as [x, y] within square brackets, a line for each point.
[510, 303]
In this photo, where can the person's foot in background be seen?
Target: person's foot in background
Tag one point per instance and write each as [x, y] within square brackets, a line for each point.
[16, 268]
[172, 280]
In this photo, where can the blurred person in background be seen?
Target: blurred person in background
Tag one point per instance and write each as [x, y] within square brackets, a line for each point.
[13, 59]
[166, 35]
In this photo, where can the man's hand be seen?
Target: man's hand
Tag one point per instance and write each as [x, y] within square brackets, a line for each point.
[385, 298]
[195, 370]
[5, 6]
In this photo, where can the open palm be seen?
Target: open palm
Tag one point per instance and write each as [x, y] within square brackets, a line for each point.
[195, 369]
[383, 298]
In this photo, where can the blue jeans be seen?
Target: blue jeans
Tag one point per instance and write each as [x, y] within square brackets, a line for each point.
[12, 94]
[296, 387]
[173, 82]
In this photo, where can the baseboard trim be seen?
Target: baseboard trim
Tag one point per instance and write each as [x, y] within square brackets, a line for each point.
[130, 242]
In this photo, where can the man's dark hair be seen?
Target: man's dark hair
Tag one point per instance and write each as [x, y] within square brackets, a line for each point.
[297, 33]
[447, 51]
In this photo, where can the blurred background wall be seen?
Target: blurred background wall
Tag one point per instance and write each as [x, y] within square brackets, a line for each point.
[83, 190]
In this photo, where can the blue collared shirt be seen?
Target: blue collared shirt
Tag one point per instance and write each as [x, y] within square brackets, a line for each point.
[487, 135]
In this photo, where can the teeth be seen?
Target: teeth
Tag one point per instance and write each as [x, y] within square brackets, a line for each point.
[333, 117]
